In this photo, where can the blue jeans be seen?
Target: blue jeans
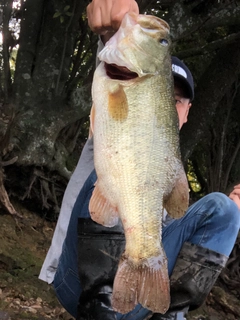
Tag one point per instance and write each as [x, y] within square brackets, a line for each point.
[212, 222]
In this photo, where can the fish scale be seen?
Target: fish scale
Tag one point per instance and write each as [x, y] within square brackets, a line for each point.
[137, 158]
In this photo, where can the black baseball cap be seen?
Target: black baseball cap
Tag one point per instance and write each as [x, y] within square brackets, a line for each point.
[180, 71]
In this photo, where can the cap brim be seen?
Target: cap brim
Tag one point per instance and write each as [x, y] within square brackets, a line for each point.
[186, 84]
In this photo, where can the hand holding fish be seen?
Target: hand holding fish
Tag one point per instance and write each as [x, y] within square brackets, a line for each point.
[235, 195]
[105, 16]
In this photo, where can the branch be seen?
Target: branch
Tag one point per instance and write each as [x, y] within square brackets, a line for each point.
[7, 9]
[184, 21]
[4, 199]
[81, 70]
[145, 5]
[86, 69]
[225, 65]
[77, 59]
[64, 48]
[8, 162]
[209, 47]
[30, 31]
[230, 99]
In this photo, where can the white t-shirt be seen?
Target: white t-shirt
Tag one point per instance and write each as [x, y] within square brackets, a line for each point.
[84, 168]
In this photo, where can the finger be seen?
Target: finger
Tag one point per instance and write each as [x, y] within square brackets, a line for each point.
[106, 15]
[236, 192]
[134, 7]
[98, 14]
[236, 199]
[119, 9]
[106, 10]
[94, 17]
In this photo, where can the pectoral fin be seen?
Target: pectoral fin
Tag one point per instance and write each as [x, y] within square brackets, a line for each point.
[176, 203]
[101, 210]
[118, 104]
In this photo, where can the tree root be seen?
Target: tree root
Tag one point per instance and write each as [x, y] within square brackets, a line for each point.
[4, 199]
[46, 189]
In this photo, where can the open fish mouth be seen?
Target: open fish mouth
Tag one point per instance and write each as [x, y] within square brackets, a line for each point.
[116, 72]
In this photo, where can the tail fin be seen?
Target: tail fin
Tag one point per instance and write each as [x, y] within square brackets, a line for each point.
[147, 284]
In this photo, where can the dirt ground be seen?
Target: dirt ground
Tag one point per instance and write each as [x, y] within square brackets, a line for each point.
[23, 246]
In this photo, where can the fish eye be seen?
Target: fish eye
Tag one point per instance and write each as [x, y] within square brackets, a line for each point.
[163, 42]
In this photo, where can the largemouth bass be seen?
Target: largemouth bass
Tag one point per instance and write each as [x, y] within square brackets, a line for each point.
[137, 157]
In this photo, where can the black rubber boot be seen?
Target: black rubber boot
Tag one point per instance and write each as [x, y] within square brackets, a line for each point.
[99, 250]
[195, 273]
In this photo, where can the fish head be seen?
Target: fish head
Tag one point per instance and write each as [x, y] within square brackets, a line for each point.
[141, 46]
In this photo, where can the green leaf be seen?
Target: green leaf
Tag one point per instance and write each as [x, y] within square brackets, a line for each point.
[66, 8]
[61, 19]
[56, 14]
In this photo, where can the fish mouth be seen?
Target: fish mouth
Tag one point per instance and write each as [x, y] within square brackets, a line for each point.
[116, 72]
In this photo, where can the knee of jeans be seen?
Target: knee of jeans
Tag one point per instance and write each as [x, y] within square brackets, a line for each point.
[226, 210]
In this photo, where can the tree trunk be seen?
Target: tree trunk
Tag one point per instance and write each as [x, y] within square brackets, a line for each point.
[213, 85]
[41, 101]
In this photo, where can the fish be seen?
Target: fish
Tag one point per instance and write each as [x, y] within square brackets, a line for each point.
[137, 156]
